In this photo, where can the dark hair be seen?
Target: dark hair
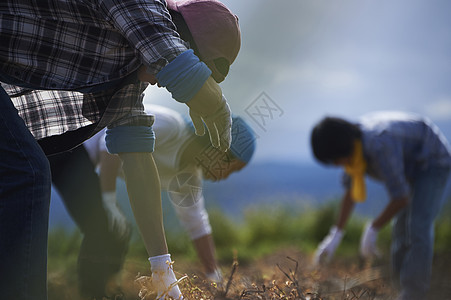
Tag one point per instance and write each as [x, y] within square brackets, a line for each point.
[333, 138]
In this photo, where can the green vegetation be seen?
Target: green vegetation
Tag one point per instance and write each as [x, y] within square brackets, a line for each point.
[443, 230]
[261, 231]
[267, 229]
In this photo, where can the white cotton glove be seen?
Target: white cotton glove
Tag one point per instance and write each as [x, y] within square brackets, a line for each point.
[368, 248]
[209, 108]
[163, 277]
[117, 222]
[327, 247]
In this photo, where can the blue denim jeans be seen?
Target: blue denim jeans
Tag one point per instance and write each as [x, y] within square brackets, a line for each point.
[413, 234]
[24, 208]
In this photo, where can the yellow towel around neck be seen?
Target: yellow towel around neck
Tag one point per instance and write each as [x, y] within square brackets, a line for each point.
[356, 170]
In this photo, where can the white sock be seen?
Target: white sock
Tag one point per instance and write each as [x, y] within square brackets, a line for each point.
[163, 276]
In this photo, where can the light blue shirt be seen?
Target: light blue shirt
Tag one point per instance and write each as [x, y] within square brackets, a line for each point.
[397, 145]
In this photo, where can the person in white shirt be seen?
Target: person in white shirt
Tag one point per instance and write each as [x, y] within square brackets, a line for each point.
[183, 160]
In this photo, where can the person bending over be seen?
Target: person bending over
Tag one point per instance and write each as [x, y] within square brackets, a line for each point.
[412, 158]
[104, 54]
[183, 160]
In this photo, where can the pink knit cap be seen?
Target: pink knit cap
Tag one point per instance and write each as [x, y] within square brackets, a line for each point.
[214, 28]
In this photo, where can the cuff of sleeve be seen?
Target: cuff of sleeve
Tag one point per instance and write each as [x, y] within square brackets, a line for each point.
[184, 76]
[130, 139]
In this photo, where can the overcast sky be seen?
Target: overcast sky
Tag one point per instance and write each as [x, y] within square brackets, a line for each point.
[303, 59]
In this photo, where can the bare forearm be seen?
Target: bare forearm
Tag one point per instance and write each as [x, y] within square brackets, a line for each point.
[390, 211]
[205, 249]
[143, 187]
[347, 206]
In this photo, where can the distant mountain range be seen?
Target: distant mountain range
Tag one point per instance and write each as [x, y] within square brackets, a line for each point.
[260, 184]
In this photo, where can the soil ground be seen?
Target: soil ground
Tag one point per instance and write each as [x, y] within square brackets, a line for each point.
[285, 274]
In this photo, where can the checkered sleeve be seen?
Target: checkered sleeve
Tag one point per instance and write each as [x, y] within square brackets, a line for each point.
[125, 108]
[147, 25]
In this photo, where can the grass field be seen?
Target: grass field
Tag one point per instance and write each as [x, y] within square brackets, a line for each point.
[267, 255]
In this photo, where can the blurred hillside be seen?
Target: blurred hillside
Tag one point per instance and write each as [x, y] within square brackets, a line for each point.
[300, 185]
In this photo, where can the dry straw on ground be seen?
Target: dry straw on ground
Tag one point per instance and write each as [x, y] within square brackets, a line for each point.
[290, 278]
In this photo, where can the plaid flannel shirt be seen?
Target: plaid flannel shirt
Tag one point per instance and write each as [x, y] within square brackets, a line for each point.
[51, 115]
[73, 44]
[48, 113]
[67, 45]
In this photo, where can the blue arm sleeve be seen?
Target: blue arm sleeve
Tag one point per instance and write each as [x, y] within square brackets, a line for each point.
[184, 76]
[130, 139]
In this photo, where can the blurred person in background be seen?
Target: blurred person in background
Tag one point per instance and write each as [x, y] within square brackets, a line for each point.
[105, 230]
[102, 54]
[183, 160]
[412, 158]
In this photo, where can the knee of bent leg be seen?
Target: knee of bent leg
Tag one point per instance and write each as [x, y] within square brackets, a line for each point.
[41, 170]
